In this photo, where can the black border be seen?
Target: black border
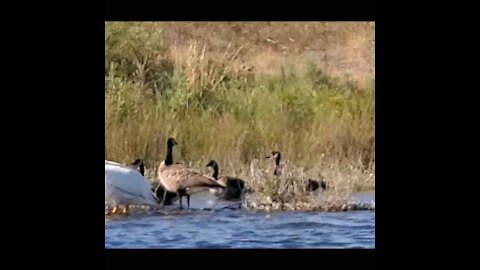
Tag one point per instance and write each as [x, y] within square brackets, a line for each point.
[241, 11]
[57, 126]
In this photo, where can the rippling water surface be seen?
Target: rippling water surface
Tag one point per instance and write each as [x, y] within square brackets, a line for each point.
[233, 228]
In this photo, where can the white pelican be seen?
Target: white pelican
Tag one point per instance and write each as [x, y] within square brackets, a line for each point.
[126, 186]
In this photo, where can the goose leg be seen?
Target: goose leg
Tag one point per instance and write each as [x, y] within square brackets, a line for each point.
[180, 199]
[164, 196]
[188, 201]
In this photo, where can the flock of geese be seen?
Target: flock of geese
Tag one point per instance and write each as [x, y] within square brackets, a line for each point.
[126, 185]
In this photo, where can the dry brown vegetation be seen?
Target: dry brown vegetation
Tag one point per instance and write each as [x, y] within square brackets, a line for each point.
[345, 50]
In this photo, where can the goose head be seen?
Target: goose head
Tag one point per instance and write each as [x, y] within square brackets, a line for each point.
[138, 164]
[213, 164]
[171, 142]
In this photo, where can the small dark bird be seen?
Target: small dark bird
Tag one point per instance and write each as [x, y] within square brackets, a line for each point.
[314, 185]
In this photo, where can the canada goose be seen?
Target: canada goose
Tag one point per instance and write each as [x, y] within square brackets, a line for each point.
[126, 186]
[178, 178]
[234, 186]
[312, 184]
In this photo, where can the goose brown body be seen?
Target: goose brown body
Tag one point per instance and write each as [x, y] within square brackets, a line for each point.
[178, 177]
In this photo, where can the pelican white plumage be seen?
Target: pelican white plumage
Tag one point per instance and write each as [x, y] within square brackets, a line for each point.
[126, 186]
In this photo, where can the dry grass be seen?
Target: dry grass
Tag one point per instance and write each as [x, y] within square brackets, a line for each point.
[341, 49]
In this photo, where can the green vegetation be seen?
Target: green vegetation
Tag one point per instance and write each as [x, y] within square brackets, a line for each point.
[204, 92]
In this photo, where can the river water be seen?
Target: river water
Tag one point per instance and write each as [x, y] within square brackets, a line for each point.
[219, 227]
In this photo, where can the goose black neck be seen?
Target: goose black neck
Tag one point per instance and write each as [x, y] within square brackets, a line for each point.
[277, 160]
[277, 165]
[138, 163]
[215, 171]
[169, 157]
[141, 168]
